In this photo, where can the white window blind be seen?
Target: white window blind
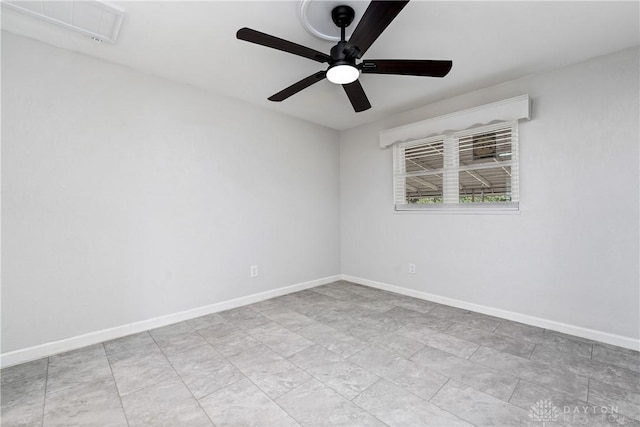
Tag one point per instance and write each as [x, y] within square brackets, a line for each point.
[475, 168]
[420, 171]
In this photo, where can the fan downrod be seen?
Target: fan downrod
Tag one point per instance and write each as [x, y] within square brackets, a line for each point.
[342, 16]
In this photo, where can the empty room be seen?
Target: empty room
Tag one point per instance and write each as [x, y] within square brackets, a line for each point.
[320, 213]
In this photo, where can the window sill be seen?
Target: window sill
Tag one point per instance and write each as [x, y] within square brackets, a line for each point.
[470, 209]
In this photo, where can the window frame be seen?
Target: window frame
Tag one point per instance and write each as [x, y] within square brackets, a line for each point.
[452, 168]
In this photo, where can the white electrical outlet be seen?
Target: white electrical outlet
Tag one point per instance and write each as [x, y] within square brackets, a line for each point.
[253, 271]
[412, 269]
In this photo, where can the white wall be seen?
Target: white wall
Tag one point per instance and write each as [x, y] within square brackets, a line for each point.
[126, 197]
[570, 256]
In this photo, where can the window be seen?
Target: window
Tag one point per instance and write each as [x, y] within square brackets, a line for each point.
[475, 168]
[469, 164]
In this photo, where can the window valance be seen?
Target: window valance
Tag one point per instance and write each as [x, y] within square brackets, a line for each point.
[502, 111]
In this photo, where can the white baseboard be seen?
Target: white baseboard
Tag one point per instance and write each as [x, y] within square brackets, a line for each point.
[51, 348]
[73, 343]
[578, 331]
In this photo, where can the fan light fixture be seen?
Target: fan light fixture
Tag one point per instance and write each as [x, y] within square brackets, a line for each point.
[343, 74]
[342, 58]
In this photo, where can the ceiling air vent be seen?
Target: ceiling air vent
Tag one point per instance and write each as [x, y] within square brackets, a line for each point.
[96, 19]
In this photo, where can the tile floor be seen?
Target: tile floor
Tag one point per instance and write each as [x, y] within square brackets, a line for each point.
[336, 355]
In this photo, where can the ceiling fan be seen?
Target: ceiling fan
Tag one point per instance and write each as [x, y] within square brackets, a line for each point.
[343, 68]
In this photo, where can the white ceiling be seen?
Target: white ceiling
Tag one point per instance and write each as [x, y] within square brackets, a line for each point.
[489, 43]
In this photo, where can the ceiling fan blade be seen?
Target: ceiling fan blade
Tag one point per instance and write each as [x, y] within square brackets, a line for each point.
[297, 87]
[376, 18]
[407, 67]
[357, 96]
[253, 36]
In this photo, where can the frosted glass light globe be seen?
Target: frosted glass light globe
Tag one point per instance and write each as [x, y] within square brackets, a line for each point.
[343, 74]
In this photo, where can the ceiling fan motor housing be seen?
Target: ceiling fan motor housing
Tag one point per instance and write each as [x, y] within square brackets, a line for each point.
[341, 55]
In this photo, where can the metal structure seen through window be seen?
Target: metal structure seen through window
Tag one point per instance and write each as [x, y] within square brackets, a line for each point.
[471, 168]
